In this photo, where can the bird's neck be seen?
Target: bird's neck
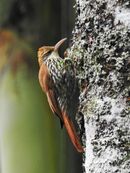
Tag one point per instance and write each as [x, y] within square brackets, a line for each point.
[55, 54]
[40, 61]
[52, 57]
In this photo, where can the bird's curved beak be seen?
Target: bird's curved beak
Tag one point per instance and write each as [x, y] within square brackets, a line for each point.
[56, 47]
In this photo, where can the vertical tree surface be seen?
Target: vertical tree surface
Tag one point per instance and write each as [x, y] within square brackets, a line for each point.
[101, 51]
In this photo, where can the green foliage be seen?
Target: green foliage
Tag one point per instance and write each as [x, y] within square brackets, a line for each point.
[30, 139]
[29, 134]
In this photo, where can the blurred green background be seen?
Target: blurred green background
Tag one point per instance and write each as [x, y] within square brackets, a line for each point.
[31, 140]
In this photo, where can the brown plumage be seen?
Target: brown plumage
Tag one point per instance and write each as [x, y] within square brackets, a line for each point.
[57, 80]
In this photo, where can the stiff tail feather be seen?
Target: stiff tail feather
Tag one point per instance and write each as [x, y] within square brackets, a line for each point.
[72, 133]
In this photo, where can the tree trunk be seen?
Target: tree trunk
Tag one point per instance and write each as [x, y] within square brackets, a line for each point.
[101, 52]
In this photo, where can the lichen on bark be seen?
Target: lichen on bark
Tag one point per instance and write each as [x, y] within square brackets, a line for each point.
[101, 53]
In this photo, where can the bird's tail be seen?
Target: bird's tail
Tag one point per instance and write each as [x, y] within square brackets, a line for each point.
[72, 133]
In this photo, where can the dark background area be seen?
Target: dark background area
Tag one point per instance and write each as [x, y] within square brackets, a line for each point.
[41, 21]
[28, 25]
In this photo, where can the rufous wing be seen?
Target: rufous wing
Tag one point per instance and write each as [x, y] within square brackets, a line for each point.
[53, 104]
[72, 133]
[44, 77]
[47, 86]
[66, 121]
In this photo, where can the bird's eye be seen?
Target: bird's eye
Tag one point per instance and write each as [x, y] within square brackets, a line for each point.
[48, 53]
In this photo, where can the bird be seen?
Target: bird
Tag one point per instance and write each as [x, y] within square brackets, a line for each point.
[58, 81]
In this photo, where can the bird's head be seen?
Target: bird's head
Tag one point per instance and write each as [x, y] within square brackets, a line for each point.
[45, 51]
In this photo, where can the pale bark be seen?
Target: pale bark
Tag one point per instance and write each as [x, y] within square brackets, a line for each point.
[101, 51]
